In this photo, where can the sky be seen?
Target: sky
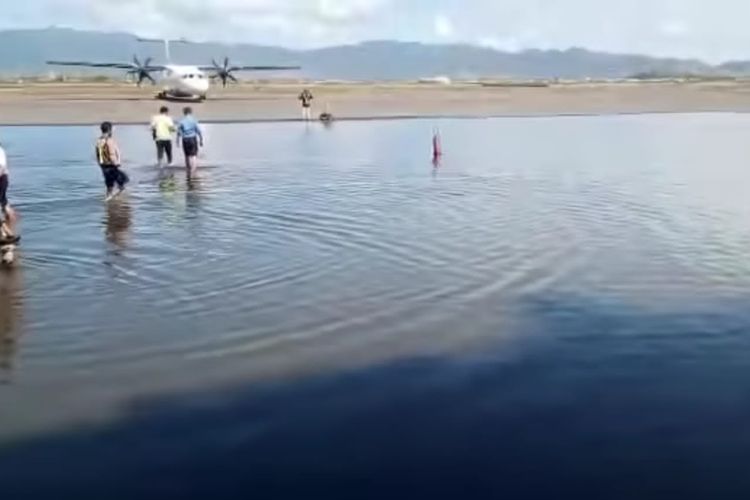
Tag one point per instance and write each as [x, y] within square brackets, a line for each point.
[715, 30]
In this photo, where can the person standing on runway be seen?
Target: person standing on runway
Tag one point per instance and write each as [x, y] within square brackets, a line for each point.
[306, 98]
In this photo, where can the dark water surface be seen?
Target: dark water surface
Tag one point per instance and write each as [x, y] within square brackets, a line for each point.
[562, 308]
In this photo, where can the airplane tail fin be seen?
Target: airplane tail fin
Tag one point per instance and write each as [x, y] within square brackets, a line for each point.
[166, 42]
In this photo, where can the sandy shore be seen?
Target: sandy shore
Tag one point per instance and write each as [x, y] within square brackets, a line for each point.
[69, 103]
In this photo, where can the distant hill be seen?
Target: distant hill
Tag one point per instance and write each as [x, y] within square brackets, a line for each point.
[735, 67]
[24, 52]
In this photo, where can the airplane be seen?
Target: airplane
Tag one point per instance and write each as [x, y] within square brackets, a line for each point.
[178, 81]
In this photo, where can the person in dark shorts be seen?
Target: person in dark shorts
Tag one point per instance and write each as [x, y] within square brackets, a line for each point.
[109, 160]
[3, 178]
[162, 128]
[4, 191]
[190, 134]
[9, 216]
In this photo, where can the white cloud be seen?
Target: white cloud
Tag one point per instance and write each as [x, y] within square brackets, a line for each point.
[690, 28]
[444, 26]
[674, 28]
[341, 11]
[287, 22]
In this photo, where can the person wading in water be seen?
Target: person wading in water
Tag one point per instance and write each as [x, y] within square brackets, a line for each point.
[162, 128]
[7, 231]
[189, 131]
[109, 160]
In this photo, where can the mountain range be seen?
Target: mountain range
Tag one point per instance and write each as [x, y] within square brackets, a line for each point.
[24, 52]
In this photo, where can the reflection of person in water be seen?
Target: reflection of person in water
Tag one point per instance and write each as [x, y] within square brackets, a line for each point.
[193, 193]
[194, 184]
[11, 306]
[117, 221]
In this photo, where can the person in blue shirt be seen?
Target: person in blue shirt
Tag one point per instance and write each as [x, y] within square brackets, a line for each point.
[190, 134]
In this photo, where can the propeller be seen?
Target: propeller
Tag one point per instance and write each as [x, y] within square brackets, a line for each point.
[223, 72]
[141, 71]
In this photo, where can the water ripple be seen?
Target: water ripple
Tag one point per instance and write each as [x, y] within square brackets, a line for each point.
[346, 241]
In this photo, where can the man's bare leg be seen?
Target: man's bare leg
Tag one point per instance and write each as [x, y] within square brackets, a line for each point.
[193, 165]
[9, 224]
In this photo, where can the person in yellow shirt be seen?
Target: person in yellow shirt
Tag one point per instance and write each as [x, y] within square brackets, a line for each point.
[162, 128]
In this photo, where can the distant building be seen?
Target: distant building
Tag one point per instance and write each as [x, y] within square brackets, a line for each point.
[439, 80]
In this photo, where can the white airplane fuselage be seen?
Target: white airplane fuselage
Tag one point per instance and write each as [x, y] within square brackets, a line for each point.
[184, 82]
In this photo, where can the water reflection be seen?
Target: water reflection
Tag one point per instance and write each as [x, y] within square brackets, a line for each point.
[436, 164]
[11, 306]
[337, 250]
[194, 183]
[118, 222]
[166, 181]
[194, 190]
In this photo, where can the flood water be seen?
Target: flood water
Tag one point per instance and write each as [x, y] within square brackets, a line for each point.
[561, 307]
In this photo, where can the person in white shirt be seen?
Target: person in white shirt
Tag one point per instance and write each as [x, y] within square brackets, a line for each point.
[162, 128]
[9, 216]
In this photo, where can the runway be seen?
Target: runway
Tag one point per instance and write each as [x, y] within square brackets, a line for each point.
[88, 104]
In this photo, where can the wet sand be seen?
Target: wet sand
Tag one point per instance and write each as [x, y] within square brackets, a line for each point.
[78, 103]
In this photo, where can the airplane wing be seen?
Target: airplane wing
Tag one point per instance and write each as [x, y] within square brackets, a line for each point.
[91, 64]
[265, 68]
[251, 68]
[88, 64]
